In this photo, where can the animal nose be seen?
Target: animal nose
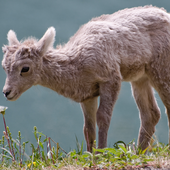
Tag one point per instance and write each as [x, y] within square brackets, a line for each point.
[6, 93]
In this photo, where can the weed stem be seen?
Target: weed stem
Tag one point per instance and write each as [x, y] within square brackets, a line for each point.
[8, 138]
[50, 150]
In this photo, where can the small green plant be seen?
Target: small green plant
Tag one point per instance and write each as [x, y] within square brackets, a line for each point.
[48, 154]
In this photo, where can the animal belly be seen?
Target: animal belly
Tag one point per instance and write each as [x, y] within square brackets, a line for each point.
[132, 72]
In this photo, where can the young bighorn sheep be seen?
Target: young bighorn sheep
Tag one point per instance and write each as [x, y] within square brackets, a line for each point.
[130, 45]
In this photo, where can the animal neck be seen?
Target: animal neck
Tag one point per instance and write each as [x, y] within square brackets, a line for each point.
[58, 71]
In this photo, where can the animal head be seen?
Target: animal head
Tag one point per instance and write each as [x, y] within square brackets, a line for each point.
[22, 62]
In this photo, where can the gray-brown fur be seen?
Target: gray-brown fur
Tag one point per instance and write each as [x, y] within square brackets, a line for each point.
[130, 45]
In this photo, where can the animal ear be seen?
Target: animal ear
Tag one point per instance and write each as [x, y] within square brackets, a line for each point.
[46, 41]
[4, 49]
[12, 38]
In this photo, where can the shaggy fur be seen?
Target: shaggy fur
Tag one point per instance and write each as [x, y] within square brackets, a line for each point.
[130, 45]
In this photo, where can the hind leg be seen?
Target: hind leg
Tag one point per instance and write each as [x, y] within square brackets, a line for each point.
[89, 108]
[158, 73]
[164, 94]
[168, 113]
[149, 111]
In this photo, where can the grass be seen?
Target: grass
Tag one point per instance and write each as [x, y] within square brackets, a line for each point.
[47, 154]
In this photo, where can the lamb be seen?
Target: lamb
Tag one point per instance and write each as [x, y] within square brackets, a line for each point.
[130, 45]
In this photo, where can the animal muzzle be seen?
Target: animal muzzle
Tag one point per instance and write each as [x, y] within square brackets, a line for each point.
[6, 93]
[9, 93]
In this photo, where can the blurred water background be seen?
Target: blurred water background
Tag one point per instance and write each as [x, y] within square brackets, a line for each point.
[56, 116]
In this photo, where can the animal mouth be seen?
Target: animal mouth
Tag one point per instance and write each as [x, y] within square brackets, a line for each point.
[12, 98]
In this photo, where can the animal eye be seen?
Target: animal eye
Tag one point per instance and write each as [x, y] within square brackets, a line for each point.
[25, 69]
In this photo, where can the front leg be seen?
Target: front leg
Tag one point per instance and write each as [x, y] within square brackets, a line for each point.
[108, 95]
[89, 108]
